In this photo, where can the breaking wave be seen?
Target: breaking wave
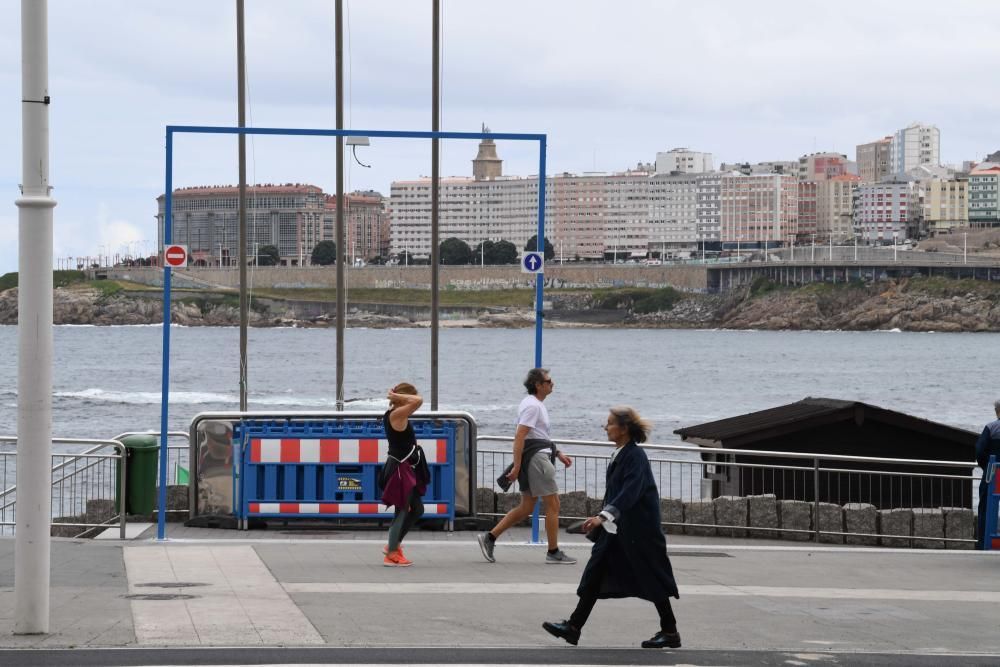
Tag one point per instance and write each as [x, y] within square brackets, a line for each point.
[289, 400]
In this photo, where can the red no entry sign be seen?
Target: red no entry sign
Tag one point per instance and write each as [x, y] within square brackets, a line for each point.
[175, 255]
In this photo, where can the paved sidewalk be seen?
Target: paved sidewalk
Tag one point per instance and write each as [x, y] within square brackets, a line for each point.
[286, 588]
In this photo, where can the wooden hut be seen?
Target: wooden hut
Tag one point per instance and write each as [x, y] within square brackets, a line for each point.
[829, 426]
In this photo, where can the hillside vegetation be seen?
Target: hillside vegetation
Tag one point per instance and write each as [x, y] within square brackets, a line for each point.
[914, 304]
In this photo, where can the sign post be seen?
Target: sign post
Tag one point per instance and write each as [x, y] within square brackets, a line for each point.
[534, 262]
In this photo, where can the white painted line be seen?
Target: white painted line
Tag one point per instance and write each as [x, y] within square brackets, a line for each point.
[132, 531]
[239, 602]
[454, 588]
[464, 544]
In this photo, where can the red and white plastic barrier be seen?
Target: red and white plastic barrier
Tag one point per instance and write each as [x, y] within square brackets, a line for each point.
[294, 450]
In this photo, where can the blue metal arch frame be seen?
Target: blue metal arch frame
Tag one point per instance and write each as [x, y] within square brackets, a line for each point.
[306, 132]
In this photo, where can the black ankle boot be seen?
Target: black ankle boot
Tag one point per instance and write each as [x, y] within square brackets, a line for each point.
[663, 640]
[563, 630]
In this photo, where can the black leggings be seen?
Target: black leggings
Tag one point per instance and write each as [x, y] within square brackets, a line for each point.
[588, 598]
[404, 520]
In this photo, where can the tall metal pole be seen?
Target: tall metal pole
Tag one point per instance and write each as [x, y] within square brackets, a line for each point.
[435, 182]
[540, 278]
[341, 242]
[539, 299]
[34, 331]
[242, 121]
[168, 235]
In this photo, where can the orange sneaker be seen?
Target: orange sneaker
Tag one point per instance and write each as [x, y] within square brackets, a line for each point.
[385, 550]
[396, 559]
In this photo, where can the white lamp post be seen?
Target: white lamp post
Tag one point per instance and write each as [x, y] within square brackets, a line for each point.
[34, 332]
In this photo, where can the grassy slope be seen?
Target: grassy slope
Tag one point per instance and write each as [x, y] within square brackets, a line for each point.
[508, 298]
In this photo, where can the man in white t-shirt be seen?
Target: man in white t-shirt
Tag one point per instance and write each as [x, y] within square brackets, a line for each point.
[534, 469]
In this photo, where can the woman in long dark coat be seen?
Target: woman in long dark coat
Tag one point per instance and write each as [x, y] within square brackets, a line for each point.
[629, 558]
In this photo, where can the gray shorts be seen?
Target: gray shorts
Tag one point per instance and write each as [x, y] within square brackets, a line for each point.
[541, 476]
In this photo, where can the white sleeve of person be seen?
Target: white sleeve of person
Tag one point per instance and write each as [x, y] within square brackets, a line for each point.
[610, 515]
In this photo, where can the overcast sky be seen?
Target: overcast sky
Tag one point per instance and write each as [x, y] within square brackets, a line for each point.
[610, 83]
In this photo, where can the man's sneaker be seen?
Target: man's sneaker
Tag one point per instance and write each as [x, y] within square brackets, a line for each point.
[396, 559]
[559, 558]
[486, 544]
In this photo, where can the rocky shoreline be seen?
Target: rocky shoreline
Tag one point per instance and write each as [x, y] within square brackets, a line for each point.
[915, 304]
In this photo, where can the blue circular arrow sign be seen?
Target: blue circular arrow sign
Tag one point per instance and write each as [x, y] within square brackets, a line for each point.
[532, 262]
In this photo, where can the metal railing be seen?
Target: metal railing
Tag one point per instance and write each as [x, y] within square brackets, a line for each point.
[88, 487]
[692, 474]
[83, 485]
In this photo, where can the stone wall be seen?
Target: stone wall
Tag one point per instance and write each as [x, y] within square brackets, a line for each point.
[762, 516]
[767, 517]
[688, 278]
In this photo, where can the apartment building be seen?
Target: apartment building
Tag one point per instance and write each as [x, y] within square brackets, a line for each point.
[873, 160]
[835, 208]
[912, 146]
[808, 224]
[206, 219]
[683, 161]
[944, 204]
[886, 212]
[709, 209]
[787, 167]
[626, 215]
[472, 210]
[818, 197]
[366, 225]
[984, 195]
[673, 213]
[582, 212]
[758, 209]
[821, 166]
[574, 216]
[291, 217]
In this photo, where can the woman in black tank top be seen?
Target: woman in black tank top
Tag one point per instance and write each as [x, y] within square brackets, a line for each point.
[405, 474]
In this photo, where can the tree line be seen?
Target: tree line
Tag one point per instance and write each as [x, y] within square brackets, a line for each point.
[456, 252]
[453, 251]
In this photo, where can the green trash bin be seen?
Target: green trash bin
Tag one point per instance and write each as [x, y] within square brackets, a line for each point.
[141, 460]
